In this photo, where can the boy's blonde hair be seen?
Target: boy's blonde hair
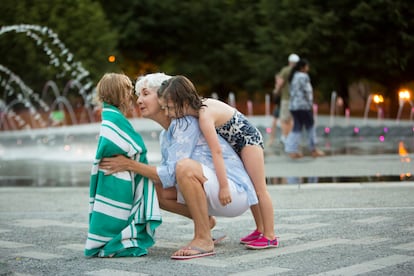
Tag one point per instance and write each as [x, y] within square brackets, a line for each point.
[115, 89]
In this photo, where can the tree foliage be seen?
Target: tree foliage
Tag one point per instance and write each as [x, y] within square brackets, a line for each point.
[351, 40]
[239, 45]
[228, 45]
[80, 24]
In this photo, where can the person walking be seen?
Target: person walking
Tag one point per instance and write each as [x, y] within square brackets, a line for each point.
[282, 89]
[301, 107]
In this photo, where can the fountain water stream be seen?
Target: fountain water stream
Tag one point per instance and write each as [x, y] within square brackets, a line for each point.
[332, 111]
[18, 95]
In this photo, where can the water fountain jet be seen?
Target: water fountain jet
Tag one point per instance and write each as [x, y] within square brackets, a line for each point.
[17, 94]
[333, 107]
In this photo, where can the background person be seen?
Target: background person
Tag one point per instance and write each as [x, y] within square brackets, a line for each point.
[282, 89]
[301, 107]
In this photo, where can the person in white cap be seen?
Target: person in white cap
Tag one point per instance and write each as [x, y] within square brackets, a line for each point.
[282, 89]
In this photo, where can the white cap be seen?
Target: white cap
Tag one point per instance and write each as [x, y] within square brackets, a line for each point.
[293, 58]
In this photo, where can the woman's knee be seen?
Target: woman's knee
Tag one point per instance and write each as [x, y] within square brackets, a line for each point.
[185, 168]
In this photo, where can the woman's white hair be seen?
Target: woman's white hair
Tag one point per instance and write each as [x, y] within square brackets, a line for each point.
[153, 80]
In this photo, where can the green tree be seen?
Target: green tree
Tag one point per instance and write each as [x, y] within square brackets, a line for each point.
[346, 41]
[80, 24]
[238, 45]
[214, 42]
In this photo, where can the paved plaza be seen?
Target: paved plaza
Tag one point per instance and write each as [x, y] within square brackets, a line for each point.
[324, 229]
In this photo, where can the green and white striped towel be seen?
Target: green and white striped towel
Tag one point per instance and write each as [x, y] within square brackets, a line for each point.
[123, 207]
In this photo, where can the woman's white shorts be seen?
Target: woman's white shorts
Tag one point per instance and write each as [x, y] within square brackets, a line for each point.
[238, 205]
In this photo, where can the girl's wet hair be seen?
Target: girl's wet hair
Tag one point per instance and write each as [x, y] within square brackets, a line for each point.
[115, 89]
[180, 91]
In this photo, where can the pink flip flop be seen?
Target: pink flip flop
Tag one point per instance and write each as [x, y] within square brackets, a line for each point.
[199, 253]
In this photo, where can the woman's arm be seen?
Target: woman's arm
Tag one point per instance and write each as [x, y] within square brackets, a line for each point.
[121, 163]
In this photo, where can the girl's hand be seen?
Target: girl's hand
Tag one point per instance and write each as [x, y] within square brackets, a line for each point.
[225, 196]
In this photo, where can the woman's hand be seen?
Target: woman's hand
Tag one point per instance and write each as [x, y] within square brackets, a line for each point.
[118, 163]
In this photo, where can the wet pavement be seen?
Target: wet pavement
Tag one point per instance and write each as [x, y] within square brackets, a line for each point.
[324, 229]
[356, 151]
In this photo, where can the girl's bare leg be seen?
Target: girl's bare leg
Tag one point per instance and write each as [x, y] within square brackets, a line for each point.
[253, 160]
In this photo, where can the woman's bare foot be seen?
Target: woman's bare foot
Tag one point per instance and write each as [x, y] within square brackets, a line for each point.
[196, 248]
